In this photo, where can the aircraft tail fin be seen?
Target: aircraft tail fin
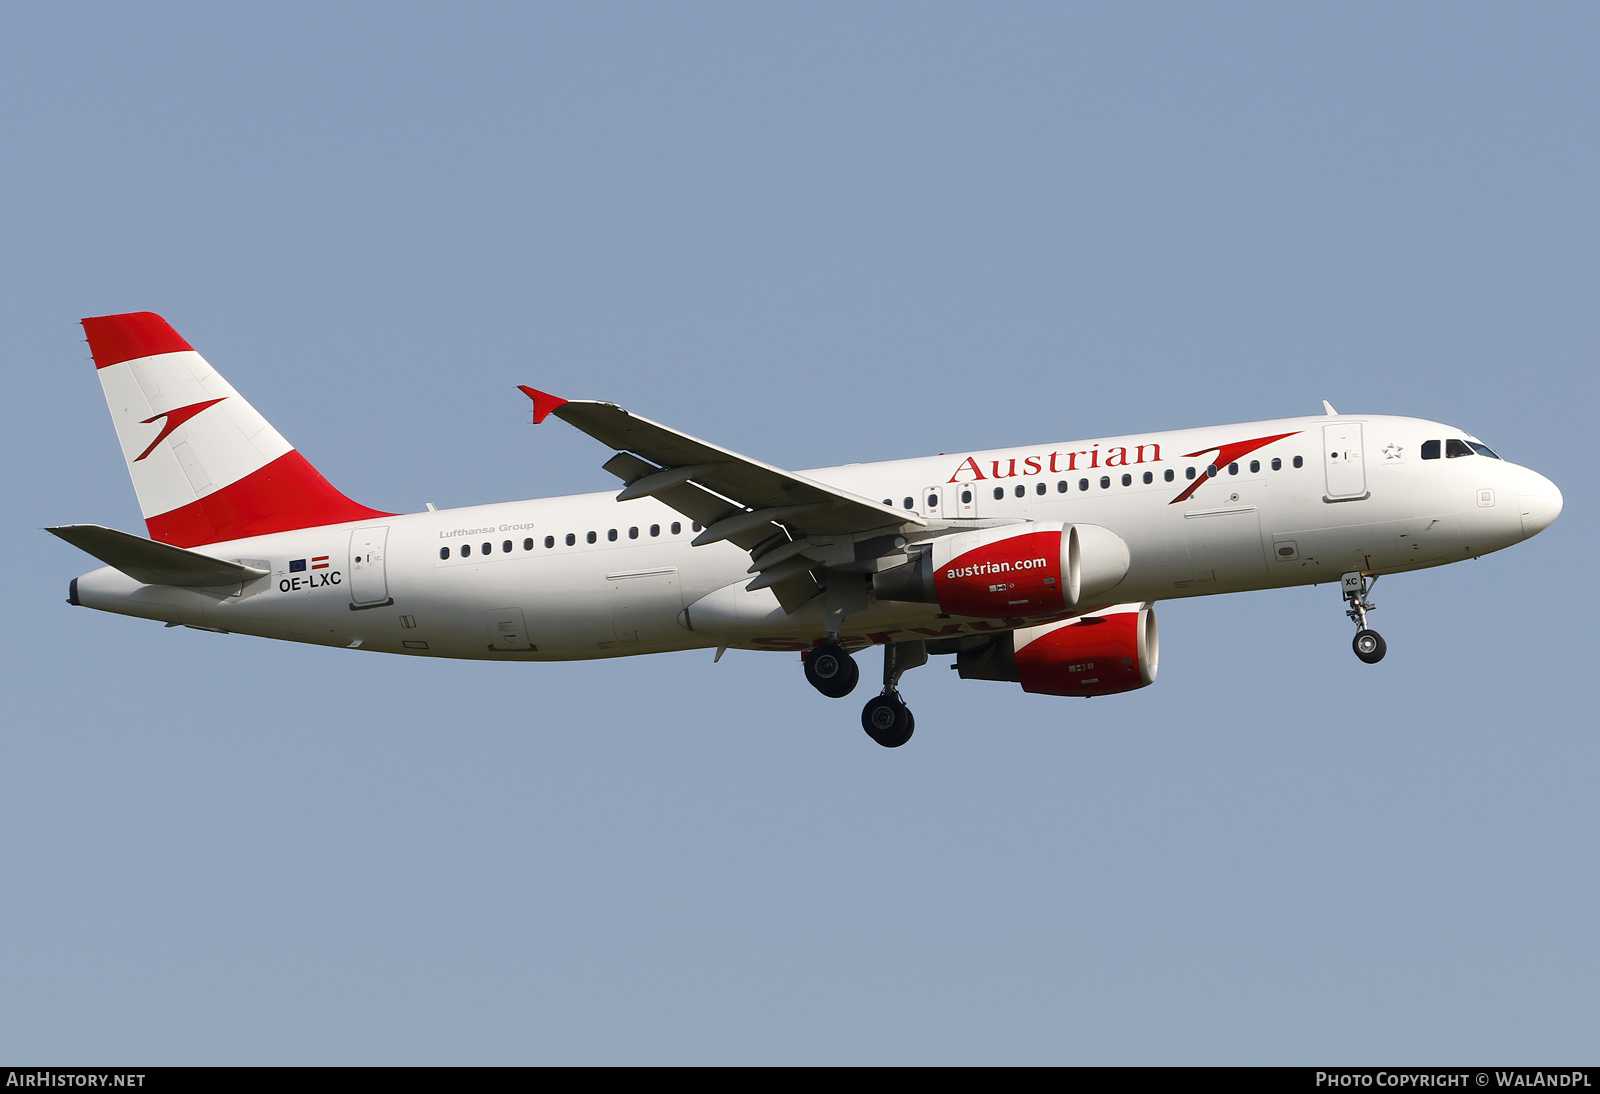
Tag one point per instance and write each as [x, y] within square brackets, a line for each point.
[206, 465]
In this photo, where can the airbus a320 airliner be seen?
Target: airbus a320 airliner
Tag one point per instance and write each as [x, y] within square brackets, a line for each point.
[1038, 564]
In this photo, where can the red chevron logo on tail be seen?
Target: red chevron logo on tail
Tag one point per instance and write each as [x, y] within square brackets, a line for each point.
[174, 418]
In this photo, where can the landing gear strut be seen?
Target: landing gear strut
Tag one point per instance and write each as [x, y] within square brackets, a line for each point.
[886, 718]
[1368, 644]
[831, 670]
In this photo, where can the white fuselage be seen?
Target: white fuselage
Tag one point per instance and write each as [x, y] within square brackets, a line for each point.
[502, 582]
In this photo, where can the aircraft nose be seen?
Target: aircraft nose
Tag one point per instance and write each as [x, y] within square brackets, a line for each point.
[1541, 503]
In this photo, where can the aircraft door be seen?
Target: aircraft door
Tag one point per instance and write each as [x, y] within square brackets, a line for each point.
[1341, 456]
[645, 604]
[932, 501]
[369, 583]
[507, 630]
[1225, 547]
[964, 500]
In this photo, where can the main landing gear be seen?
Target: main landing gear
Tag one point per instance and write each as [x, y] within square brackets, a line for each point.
[886, 718]
[831, 670]
[1368, 644]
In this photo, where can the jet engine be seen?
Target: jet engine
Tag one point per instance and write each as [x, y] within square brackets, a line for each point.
[1113, 650]
[1013, 570]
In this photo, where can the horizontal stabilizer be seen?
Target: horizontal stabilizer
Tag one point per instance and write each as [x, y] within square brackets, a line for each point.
[154, 563]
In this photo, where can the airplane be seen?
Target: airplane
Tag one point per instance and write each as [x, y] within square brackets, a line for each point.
[1037, 565]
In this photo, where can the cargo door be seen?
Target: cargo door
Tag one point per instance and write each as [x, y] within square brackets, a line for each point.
[369, 584]
[1225, 547]
[645, 603]
[1341, 457]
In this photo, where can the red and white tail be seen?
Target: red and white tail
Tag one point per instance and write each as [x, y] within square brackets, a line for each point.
[206, 466]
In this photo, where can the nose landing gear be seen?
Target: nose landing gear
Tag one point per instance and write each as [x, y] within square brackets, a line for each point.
[886, 718]
[1368, 644]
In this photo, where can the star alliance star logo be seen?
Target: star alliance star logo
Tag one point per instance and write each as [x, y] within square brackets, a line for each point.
[1392, 451]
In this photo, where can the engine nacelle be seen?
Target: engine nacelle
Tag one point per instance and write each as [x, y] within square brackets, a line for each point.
[1111, 651]
[1013, 570]
[1101, 654]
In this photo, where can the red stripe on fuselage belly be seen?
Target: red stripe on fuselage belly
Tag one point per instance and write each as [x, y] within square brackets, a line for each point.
[286, 494]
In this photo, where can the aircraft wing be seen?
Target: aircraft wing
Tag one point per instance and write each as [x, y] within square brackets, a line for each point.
[723, 490]
[736, 498]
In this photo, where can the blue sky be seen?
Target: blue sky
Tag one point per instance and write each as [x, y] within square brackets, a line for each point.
[814, 234]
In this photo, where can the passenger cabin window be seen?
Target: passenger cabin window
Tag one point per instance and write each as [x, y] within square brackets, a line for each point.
[1299, 461]
[1105, 482]
[488, 548]
[1127, 480]
[999, 492]
[1188, 472]
[611, 535]
[1149, 478]
[527, 544]
[1061, 487]
[1039, 489]
[1083, 484]
[1167, 474]
[1277, 464]
[676, 528]
[571, 539]
[909, 503]
[966, 497]
[633, 533]
[1255, 467]
[505, 548]
[466, 549]
[692, 524]
[655, 530]
[1021, 490]
[933, 501]
[1454, 448]
[549, 541]
[444, 552]
[591, 537]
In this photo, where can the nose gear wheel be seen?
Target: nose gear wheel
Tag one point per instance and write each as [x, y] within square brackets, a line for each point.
[1369, 646]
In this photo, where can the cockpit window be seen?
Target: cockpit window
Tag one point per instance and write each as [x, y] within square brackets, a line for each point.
[1454, 448]
[1483, 450]
[1430, 450]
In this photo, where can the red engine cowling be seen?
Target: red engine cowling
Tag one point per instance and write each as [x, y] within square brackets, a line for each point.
[1015, 570]
[1102, 654]
[1018, 574]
